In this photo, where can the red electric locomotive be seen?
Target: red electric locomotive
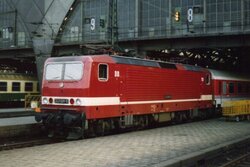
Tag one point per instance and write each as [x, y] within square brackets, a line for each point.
[101, 93]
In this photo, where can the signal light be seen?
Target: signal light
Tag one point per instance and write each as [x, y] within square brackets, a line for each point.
[102, 23]
[177, 16]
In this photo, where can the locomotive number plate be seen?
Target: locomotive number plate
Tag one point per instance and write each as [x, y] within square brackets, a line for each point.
[62, 101]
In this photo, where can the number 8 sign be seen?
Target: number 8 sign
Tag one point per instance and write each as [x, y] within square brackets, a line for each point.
[190, 15]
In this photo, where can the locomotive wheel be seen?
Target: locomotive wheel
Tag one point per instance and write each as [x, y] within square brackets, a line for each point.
[75, 133]
[142, 122]
[101, 127]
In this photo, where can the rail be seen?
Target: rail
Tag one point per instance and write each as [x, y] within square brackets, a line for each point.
[243, 161]
[27, 143]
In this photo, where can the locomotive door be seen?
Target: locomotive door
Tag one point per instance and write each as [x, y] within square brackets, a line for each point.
[120, 77]
[120, 83]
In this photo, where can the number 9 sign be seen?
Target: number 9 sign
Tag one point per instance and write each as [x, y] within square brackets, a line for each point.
[92, 24]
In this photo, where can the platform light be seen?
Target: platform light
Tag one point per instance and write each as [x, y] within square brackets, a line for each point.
[177, 17]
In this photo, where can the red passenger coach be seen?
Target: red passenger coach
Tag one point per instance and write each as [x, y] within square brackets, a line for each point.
[99, 93]
[229, 86]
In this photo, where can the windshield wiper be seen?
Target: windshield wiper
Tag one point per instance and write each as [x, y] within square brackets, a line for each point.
[70, 78]
[55, 78]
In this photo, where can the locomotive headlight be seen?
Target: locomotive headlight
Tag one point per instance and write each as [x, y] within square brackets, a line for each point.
[45, 101]
[78, 102]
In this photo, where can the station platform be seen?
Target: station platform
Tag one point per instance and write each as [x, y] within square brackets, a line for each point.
[16, 117]
[18, 126]
[155, 147]
[17, 121]
[10, 110]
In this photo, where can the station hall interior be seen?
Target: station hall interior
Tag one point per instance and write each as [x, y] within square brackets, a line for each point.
[209, 33]
[101, 83]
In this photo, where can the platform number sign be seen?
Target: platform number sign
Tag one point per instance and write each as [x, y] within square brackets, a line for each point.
[92, 24]
[190, 15]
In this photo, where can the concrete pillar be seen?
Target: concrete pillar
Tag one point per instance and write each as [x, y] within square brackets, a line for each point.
[42, 48]
[55, 13]
[137, 18]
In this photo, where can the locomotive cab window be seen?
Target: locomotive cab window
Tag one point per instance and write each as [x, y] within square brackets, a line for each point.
[16, 86]
[54, 71]
[103, 72]
[73, 71]
[29, 86]
[66, 71]
[3, 86]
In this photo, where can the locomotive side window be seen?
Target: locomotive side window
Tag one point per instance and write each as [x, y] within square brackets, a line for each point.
[103, 72]
[231, 87]
[207, 79]
[16, 86]
[29, 86]
[224, 87]
[3, 86]
[220, 88]
[239, 88]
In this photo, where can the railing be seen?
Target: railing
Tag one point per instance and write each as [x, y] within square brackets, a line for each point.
[239, 109]
[33, 102]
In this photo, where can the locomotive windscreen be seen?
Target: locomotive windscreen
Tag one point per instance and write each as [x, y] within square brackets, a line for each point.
[64, 71]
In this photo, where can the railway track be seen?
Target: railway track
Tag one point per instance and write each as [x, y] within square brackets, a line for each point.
[234, 155]
[26, 143]
[242, 161]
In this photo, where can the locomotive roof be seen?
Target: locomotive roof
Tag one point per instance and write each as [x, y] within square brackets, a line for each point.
[132, 61]
[153, 63]
[225, 75]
